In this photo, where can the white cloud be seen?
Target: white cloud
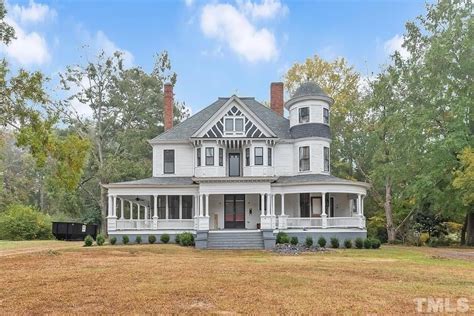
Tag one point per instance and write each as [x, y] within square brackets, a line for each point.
[102, 42]
[28, 48]
[395, 44]
[33, 13]
[189, 3]
[226, 24]
[267, 9]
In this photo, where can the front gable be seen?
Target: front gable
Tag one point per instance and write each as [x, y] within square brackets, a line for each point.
[234, 113]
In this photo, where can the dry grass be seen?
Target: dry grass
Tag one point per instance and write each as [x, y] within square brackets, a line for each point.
[170, 279]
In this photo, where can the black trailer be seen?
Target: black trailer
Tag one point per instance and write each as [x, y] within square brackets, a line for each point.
[73, 231]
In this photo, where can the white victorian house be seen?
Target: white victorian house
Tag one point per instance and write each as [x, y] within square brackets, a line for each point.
[238, 172]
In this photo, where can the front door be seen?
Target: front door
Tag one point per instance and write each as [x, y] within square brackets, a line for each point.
[234, 211]
[234, 165]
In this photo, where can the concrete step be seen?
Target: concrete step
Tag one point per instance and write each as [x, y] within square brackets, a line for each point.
[235, 240]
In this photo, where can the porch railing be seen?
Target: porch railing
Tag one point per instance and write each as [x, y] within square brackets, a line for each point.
[140, 224]
[317, 222]
[303, 222]
[343, 221]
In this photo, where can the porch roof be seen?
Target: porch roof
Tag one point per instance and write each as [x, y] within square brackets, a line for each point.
[154, 181]
[316, 179]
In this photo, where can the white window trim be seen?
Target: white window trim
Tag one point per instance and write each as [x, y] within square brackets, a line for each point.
[329, 116]
[299, 159]
[234, 133]
[309, 114]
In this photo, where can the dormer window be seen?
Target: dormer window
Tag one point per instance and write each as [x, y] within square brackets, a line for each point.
[234, 125]
[304, 115]
[325, 116]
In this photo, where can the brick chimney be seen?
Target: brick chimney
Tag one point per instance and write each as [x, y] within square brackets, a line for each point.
[168, 106]
[276, 97]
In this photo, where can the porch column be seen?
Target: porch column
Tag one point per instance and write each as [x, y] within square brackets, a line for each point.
[268, 210]
[167, 207]
[180, 207]
[109, 209]
[138, 211]
[324, 217]
[207, 205]
[201, 205]
[262, 204]
[282, 204]
[273, 205]
[155, 211]
[131, 210]
[121, 208]
[359, 204]
[283, 218]
[114, 207]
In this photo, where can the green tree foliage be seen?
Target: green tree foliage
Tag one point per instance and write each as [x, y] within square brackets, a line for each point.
[127, 110]
[21, 222]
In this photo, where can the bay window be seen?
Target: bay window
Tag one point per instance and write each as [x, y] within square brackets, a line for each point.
[209, 156]
[258, 156]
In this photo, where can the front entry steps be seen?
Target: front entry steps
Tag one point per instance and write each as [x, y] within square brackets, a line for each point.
[235, 240]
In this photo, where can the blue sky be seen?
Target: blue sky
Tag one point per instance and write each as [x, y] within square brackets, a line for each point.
[217, 48]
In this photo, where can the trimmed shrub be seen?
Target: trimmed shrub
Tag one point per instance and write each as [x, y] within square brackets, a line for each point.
[186, 239]
[308, 241]
[113, 240]
[100, 240]
[88, 241]
[294, 240]
[125, 239]
[20, 222]
[359, 243]
[165, 238]
[334, 242]
[282, 238]
[322, 242]
[367, 243]
[177, 238]
[375, 243]
[151, 239]
[348, 243]
[138, 239]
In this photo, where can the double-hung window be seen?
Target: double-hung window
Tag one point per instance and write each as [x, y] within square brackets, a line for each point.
[258, 156]
[269, 156]
[221, 157]
[247, 156]
[198, 156]
[168, 161]
[326, 159]
[325, 116]
[304, 158]
[209, 156]
[303, 115]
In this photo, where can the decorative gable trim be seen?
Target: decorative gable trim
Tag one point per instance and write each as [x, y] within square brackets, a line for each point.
[253, 126]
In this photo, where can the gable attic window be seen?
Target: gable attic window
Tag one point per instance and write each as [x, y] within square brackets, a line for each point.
[303, 115]
[168, 161]
[234, 125]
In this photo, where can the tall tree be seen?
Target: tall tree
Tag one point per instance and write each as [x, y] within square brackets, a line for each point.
[127, 108]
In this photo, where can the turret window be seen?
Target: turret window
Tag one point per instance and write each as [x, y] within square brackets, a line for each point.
[326, 159]
[304, 158]
[304, 115]
[325, 116]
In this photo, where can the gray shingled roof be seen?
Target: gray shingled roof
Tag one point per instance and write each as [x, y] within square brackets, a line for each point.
[309, 178]
[309, 88]
[159, 181]
[311, 130]
[279, 125]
